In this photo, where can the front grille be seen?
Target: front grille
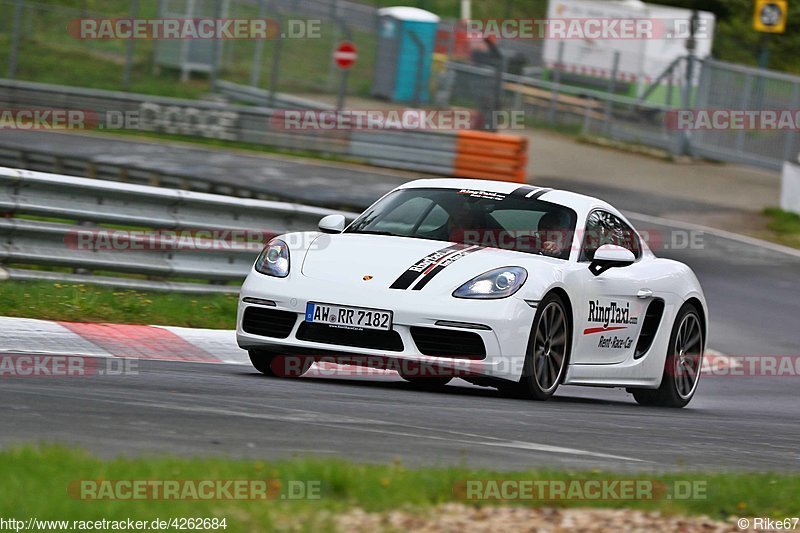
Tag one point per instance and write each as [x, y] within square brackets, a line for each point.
[268, 322]
[438, 342]
[367, 338]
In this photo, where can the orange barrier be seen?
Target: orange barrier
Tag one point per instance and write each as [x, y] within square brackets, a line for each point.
[488, 155]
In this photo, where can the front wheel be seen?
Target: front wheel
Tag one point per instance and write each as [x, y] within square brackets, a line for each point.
[683, 364]
[282, 366]
[548, 350]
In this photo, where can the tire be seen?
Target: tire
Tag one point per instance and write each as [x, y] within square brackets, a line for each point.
[547, 355]
[683, 363]
[276, 365]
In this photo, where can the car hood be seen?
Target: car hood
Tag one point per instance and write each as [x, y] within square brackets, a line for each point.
[402, 262]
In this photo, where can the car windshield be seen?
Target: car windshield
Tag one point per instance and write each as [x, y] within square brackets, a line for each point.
[472, 217]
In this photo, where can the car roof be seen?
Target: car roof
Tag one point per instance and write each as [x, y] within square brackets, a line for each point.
[581, 203]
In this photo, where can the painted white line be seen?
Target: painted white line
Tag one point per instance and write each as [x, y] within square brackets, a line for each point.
[221, 343]
[364, 425]
[714, 361]
[752, 241]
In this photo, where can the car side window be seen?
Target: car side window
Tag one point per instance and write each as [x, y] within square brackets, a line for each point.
[602, 228]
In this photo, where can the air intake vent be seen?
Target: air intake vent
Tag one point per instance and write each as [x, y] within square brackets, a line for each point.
[440, 342]
[652, 319]
[268, 322]
[367, 338]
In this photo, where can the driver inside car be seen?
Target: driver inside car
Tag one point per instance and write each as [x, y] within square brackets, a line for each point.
[552, 234]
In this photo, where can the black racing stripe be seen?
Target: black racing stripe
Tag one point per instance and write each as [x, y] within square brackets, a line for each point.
[444, 264]
[522, 191]
[414, 271]
[540, 192]
[529, 191]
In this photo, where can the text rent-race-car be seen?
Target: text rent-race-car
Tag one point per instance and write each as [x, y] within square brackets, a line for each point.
[517, 287]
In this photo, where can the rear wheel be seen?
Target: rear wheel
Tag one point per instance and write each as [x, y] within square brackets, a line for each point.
[548, 350]
[683, 364]
[276, 365]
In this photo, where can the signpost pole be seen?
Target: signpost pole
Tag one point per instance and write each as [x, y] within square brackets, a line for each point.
[344, 56]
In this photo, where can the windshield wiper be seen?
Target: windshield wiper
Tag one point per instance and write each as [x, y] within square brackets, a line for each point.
[376, 232]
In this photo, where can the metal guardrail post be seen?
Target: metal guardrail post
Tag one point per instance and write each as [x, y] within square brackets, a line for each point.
[611, 85]
[551, 116]
[258, 53]
[126, 73]
[276, 58]
[15, 37]
[789, 153]
[215, 47]
[497, 88]
[334, 16]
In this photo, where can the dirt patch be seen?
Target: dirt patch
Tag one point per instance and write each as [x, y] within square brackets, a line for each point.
[465, 519]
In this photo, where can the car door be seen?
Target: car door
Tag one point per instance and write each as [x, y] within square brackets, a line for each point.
[613, 304]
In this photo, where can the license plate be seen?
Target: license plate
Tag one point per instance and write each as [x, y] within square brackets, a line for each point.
[346, 316]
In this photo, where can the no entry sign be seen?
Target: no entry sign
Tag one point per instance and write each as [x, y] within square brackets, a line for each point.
[345, 55]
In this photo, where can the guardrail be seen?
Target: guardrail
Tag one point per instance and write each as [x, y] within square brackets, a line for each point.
[423, 151]
[174, 239]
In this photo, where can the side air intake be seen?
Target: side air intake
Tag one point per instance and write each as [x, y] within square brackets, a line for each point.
[652, 318]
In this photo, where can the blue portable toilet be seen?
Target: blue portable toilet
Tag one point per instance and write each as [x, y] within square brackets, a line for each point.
[406, 40]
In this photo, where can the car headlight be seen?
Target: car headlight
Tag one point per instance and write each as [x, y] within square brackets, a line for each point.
[274, 259]
[497, 283]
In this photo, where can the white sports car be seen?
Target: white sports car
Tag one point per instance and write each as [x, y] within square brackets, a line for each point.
[517, 287]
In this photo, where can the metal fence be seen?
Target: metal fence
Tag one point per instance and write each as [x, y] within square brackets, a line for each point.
[57, 227]
[38, 34]
[612, 108]
[423, 151]
[730, 86]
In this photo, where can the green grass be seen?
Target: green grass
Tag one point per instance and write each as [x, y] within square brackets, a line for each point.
[36, 481]
[93, 303]
[785, 226]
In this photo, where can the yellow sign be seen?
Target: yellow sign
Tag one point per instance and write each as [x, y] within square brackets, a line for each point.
[770, 16]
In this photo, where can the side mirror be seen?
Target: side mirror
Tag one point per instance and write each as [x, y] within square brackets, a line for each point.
[610, 256]
[332, 224]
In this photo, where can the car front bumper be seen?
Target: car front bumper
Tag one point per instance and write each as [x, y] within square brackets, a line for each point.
[507, 322]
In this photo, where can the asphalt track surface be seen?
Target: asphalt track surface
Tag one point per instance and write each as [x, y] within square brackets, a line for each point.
[733, 423]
